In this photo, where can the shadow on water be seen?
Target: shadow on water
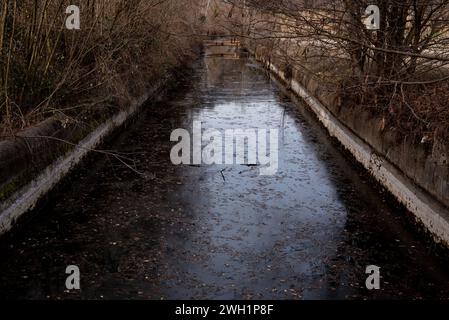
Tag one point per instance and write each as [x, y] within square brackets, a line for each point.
[221, 231]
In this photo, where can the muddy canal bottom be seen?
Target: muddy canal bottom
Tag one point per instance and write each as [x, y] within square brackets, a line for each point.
[220, 232]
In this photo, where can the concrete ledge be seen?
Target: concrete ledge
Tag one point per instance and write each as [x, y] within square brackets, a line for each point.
[26, 198]
[427, 210]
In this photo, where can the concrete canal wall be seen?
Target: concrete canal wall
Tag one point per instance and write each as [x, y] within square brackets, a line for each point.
[27, 180]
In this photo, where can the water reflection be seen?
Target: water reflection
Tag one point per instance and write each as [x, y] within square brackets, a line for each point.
[260, 233]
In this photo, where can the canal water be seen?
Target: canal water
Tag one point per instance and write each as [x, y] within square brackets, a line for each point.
[221, 231]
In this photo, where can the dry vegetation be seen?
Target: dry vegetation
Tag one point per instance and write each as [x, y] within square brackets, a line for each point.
[400, 71]
[123, 47]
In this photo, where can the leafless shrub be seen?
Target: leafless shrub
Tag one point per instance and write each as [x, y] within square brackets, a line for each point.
[123, 46]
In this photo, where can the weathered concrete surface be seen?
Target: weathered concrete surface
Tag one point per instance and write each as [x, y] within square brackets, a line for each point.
[184, 232]
[429, 169]
[418, 181]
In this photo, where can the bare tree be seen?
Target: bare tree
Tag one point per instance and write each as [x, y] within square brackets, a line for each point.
[400, 70]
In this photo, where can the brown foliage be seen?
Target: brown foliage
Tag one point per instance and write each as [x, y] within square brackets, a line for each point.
[405, 64]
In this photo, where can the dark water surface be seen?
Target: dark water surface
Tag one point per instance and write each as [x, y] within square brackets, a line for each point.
[221, 232]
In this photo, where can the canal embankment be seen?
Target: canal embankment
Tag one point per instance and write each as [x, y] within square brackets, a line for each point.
[35, 160]
[416, 176]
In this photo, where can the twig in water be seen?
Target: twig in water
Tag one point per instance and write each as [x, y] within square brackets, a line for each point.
[222, 175]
